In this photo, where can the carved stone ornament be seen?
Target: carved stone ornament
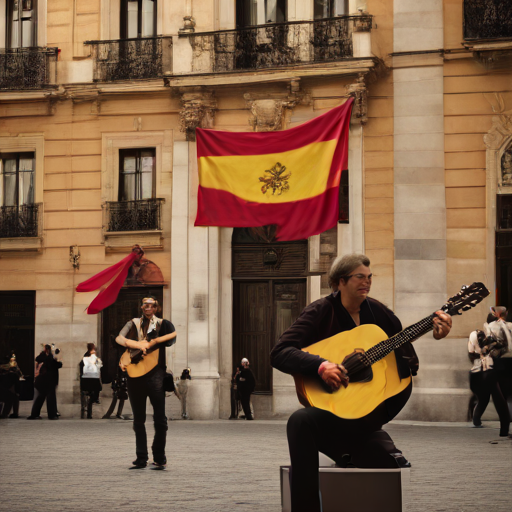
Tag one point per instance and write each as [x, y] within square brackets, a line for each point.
[198, 111]
[500, 131]
[266, 115]
[269, 111]
[499, 146]
[189, 24]
[360, 94]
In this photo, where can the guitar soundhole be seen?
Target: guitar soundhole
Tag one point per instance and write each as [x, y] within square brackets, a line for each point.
[364, 375]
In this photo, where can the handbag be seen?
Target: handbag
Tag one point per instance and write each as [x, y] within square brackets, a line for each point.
[169, 382]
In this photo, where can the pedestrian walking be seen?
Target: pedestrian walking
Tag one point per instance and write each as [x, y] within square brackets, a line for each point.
[45, 384]
[497, 324]
[484, 378]
[182, 388]
[10, 375]
[90, 381]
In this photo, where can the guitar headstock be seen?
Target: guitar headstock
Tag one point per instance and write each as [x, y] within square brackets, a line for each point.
[467, 298]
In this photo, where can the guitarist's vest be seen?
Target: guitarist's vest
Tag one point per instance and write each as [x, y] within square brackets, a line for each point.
[133, 361]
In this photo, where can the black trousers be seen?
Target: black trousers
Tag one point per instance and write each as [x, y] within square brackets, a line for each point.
[245, 400]
[313, 430]
[485, 385]
[47, 393]
[140, 389]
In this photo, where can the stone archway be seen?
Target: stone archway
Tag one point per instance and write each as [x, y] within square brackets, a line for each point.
[498, 190]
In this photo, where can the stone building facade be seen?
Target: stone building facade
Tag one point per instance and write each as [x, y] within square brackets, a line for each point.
[99, 101]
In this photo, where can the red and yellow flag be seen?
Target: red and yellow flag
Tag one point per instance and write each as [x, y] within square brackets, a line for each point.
[289, 178]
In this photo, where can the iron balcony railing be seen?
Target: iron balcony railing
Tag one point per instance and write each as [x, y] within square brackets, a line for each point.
[277, 44]
[142, 215]
[131, 59]
[20, 221]
[487, 19]
[28, 68]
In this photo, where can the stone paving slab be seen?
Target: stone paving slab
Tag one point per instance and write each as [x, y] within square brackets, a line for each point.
[220, 466]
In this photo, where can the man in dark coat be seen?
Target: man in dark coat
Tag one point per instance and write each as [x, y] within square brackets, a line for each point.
[311, 430]
[245, 383]
[45, 385]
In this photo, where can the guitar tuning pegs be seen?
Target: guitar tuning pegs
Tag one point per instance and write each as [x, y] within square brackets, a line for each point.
[467, 307]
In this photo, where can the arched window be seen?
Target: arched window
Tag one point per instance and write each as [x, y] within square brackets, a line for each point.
[506, 166]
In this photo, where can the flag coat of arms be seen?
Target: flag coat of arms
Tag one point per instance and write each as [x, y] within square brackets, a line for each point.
[288, 178]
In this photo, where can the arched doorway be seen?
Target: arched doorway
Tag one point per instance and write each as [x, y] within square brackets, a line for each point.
[144, 279]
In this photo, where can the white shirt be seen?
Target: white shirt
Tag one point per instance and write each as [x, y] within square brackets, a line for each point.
[501, 330]
[483, 363]
[92, 365]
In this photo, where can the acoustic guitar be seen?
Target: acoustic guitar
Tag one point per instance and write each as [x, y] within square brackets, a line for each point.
[370, 362]
[136, 363]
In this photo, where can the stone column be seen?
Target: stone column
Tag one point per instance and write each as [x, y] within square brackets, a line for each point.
[420, 209]
[195, 267]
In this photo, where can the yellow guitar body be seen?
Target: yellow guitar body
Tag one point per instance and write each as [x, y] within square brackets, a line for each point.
[358, 399]
[148, 362]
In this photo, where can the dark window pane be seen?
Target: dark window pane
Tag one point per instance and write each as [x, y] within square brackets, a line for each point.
[136, 174]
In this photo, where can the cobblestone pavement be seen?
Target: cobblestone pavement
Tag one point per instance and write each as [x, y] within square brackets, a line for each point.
[82, 465]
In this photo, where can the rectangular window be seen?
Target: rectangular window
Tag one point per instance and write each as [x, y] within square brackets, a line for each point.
[138, 18]
[330, 8]
[17, 179]
[137, 174]
[260, 12]
[21, 28]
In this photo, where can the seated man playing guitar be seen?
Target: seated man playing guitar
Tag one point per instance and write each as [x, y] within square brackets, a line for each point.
[145, 364]
[314, 429]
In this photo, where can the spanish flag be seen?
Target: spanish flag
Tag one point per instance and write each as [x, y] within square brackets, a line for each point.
[289, 178]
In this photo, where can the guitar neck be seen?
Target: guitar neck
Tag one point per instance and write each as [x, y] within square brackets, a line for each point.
[411, 333]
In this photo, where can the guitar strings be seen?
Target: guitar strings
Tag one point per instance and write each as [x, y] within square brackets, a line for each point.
[411, 333]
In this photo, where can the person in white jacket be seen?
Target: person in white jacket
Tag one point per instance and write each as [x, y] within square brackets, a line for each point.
[502, 330]
[90, 382]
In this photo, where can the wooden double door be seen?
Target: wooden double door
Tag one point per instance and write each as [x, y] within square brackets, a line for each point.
[262, 311]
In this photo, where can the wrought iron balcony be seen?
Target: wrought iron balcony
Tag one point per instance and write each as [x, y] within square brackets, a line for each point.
[20, 221]
[487, 19]
[143, 215]
[27, 68]
[131, 59]
[277, 44]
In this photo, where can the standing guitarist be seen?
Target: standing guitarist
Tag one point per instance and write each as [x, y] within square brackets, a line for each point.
[151, 334]
[311, 430]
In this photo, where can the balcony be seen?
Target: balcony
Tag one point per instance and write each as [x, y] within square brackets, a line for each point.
[277, 45]
[487, 19]
[488, 32]
[129, 222]
[131, 59]
[21, 227]
[27, 68]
